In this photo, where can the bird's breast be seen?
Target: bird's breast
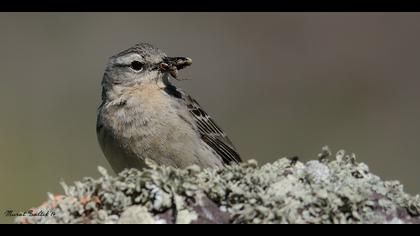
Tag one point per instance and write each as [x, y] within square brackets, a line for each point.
[146, 111]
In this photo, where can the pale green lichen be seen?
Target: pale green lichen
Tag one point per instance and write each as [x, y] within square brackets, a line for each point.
[328, 190]
[136, 214]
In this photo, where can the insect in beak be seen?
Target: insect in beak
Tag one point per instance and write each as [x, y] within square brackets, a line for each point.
[173, 64]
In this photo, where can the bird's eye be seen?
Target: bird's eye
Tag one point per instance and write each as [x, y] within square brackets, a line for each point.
[136, 65]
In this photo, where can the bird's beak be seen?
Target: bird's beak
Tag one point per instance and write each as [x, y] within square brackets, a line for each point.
[178, 62]
[173, 64]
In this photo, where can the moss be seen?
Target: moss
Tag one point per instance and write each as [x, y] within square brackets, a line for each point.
[332, 189]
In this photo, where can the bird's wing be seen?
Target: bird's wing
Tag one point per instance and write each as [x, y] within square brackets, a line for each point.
[210, 133]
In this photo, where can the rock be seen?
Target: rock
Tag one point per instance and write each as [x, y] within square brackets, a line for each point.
[329, 190]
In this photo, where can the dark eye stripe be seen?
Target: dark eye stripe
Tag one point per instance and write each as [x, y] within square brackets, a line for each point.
[121, 65]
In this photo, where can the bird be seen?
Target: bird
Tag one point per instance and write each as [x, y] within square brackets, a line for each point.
[143, 115]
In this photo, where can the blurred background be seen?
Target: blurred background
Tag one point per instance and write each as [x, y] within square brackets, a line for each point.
[280, 84]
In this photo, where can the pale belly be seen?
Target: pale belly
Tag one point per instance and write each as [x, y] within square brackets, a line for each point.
[161, 131]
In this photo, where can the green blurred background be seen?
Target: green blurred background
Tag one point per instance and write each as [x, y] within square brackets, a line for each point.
[280, 84]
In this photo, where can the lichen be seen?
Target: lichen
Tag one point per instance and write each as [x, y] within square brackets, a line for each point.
[331, 189]
[136, 215]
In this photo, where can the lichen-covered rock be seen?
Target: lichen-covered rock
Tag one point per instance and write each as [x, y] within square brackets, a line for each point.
[136, 214]
[327, 190]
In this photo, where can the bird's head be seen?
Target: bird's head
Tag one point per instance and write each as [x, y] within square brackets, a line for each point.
[142, 63]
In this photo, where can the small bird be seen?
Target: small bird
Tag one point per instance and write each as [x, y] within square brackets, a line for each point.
[143, 115]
